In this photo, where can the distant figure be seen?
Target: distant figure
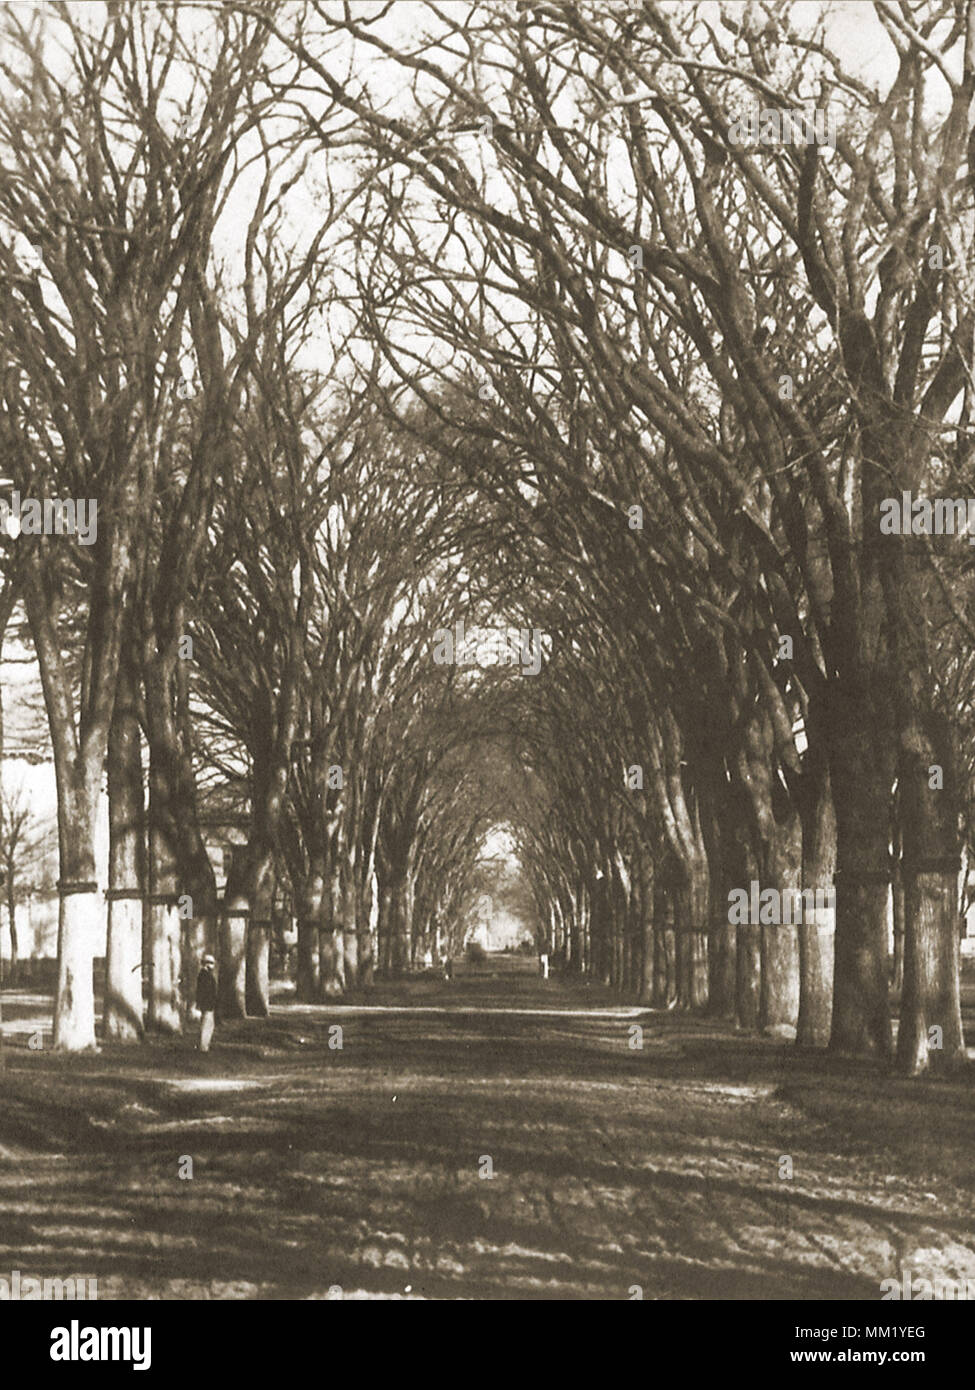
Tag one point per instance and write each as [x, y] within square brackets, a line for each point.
[206, 1002]
[543, 960]
[448, 968]
[427, 960]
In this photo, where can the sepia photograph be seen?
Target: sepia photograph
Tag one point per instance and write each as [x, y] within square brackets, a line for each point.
[487, 665]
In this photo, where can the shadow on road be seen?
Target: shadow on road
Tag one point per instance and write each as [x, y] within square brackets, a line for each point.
[479, 1153]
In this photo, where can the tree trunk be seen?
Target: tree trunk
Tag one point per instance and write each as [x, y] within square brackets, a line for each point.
[80, 746]
[331, 937]
[257, 989]
[168, 1006]
[645, 949]
[81, 919]
[12, 928]
[930, 1034]
[165, 1012]
[399, 930]
[330, 962]
[576, 933]
[778, 1010]
[748, 955]
[366, 947]
[817, 931]
[665, 953]
[899, 911]
[347, 923]
[123, 1021]
[691, 924]
[234, 918]
[861, 777]
[722, 948]
[81, 911]
[308, 984]
[600, 963]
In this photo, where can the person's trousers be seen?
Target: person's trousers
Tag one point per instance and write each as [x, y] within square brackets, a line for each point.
[208, 1021]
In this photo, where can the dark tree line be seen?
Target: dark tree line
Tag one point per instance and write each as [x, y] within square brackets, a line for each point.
[558, 352]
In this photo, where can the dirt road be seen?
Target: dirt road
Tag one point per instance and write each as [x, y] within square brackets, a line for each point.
[501, 1137]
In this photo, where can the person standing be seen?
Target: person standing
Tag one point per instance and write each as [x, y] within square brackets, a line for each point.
[206, 1002]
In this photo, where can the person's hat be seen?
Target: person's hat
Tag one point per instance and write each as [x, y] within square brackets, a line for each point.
[209, 960]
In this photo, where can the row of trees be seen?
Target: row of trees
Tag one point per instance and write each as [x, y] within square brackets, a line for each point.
[755, 345]
[248, 618]
[555, 351]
